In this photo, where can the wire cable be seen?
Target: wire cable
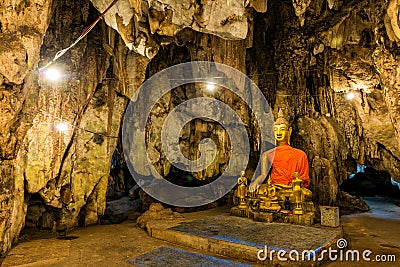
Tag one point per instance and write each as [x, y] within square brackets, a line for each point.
[83, 34]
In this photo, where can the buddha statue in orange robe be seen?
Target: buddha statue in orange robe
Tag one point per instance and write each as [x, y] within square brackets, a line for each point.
[284, 161]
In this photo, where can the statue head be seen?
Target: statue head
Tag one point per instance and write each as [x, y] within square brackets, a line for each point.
[282, 130]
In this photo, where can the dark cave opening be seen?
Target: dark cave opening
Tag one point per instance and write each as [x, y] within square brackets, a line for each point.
[370, 190]
[123, 200]
[368, 182]
[120, 180]
[40, 219]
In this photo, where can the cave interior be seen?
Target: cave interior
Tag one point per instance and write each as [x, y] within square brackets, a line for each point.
[70, 69]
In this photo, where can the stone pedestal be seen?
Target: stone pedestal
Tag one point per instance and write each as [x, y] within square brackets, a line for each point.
[329, 216]
[303, 219]
[256, 216]
[263, 217]
[235, 211]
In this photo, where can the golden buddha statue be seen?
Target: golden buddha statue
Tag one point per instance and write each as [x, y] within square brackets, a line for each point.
[284, 161]
[285, 191]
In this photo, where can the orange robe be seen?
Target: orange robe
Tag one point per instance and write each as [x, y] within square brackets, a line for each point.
[285, 161]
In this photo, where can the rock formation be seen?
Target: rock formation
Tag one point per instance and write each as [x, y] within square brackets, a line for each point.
[304, 55]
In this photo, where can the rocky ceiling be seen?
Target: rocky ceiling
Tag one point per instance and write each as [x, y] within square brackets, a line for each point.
[303, 54]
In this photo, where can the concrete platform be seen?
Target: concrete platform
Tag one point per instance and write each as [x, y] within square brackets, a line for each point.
[242, 238]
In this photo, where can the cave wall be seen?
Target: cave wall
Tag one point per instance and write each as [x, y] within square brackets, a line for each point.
[141, 22]
[22, 27]
[68, 170]
[305, 55]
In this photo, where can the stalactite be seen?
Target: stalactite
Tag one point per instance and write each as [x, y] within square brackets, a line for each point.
[300, 7]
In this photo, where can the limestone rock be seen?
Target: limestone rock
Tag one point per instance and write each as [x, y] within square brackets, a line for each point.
[23, 25]
[350, 203]
[118, 210]
[386, 64]
[139, 21]
[34, 213]
[156, 212]
[300, 7]
[47, 221]
[122, 205]
[259, 5]
[392, 20]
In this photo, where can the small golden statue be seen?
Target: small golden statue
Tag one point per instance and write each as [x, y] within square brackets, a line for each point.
[271, 189]
[298, 194]
[242, 191]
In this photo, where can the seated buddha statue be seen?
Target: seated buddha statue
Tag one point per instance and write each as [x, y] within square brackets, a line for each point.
[285, 161]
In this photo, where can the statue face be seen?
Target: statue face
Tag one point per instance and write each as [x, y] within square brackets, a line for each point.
[281, 133]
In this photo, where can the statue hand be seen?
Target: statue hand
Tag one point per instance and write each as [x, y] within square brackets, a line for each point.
[256, 183]
[253, 187]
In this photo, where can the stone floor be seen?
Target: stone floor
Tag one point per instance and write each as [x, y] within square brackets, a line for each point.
[377, 230]
[127, 245]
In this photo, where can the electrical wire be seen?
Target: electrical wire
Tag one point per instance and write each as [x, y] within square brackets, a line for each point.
[202, 80]
[83, 34]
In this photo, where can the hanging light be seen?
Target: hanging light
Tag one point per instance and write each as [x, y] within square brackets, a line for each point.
[351, 95]
[61, 127]
[52, 74]
[210, 86]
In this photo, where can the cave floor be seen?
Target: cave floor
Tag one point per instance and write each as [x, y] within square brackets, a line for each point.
[119, 244]
[102, 245]
[377, 230]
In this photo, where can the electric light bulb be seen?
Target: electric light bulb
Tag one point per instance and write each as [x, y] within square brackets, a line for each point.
[351, 95]
[210, 86]
[62, 127]
[53, 74]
